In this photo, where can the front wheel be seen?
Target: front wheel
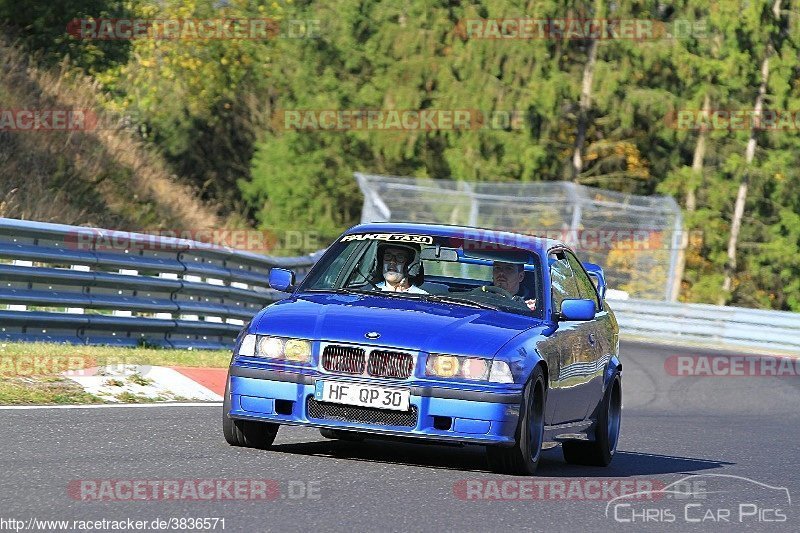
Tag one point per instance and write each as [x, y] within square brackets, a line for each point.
[523, 457]
[246, 433]
[600, 451]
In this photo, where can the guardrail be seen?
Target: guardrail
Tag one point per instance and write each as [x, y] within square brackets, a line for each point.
[66, 284]
[709, 325]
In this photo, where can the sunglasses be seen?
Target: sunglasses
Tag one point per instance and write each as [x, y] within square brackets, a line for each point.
[390, 257]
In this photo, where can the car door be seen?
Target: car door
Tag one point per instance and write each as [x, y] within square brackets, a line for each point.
[600, 333]
[570, 347]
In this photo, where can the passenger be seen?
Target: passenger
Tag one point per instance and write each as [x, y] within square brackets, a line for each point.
[509, 276]
[400, 265]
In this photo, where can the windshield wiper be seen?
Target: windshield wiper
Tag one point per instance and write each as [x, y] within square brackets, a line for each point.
[400, 294]
[340, 290]
[411, 296]
[457, 301]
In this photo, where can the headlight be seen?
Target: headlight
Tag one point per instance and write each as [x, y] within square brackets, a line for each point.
[443, 366]
[267, 346]
[472, 368]
[475, 368]
[297, 350]
[271, 347]
[450, 366]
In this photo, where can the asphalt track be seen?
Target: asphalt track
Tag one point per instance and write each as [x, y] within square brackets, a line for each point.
[736, 435]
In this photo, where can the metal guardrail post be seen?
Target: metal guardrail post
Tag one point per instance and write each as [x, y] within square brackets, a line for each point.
[676, 260]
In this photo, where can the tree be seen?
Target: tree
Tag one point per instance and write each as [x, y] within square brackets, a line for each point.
[741, 196]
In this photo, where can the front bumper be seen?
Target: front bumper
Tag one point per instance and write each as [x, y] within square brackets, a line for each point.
[475, 417]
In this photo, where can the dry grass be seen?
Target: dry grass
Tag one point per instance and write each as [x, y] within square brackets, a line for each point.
[34, 391]
[23, 355]
[102, 177]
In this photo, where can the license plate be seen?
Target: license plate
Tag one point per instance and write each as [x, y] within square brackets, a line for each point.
[363, 395]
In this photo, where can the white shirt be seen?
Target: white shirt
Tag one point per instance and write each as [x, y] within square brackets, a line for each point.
[412, 289]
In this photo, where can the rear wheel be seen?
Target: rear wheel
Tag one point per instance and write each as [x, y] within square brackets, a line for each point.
[606, 434]
[246, 433]
[523, 457]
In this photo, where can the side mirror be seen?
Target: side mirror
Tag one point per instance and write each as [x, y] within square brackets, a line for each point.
[281, 279]
[577, 310]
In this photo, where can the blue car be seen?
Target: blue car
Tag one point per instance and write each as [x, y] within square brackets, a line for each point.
[438, 333]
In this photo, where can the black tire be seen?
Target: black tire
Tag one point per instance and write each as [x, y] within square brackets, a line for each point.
[341, 434]
[246, 433]
[601, 450]
[523, 457]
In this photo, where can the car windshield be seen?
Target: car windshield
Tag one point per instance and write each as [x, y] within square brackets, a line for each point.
[473, 273]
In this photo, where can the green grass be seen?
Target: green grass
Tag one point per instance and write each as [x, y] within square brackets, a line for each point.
[88, 356]
[30, 373]
[139, 379]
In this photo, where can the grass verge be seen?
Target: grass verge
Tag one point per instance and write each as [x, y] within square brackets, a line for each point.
[31, 373]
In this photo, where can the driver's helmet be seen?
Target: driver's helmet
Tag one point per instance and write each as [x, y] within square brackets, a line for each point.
[414, 265]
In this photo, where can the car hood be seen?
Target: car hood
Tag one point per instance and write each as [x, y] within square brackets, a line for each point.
[403, 323]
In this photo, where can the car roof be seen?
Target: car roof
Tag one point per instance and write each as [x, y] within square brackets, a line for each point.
[532, 243]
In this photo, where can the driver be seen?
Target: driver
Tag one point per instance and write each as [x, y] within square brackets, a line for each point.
[509, 276]
[397, 261]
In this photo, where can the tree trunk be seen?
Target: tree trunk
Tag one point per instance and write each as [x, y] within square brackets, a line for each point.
[585, 102]
[691, 199]
[741, 196]
[697, 160]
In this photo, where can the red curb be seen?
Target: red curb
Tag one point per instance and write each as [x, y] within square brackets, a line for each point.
[210, 378]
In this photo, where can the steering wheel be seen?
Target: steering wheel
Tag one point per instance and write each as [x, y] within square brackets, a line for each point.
[494, 290]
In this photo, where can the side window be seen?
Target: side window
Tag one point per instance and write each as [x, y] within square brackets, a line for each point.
[327, 276]
[564, 285]
[585, 284]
